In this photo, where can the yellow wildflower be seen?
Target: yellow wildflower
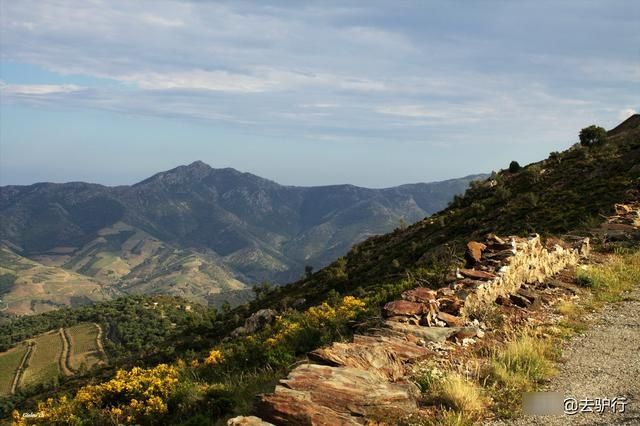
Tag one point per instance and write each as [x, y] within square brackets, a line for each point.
[215, 357]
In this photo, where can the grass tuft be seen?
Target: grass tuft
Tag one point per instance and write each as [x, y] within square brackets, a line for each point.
[609, 281]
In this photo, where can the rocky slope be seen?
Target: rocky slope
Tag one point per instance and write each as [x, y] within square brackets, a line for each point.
[353, 383]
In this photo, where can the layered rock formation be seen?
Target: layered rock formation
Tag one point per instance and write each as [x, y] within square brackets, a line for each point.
[352, 383]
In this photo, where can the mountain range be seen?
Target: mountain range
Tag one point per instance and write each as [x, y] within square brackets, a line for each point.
[194, 231]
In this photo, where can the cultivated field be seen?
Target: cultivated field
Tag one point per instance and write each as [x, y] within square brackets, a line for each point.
[9, 363]
[43, 365]
[85, 351]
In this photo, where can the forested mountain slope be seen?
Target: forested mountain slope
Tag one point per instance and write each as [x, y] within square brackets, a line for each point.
[200, 232]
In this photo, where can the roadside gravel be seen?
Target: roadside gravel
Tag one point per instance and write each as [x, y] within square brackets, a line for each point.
[604, 362]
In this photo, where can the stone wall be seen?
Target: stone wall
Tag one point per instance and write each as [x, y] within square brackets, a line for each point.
[530, 262]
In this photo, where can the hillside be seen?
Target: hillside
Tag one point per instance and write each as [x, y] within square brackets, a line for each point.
[31, 287]
[569, 192]
[194, 231]
[224, 367]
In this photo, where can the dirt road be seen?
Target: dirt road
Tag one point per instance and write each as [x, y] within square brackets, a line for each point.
[604, 362]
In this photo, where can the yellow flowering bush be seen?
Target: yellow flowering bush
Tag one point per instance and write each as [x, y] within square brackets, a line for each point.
[350, 307]
[49, 411]
[215, 357]
[284, 328]
[321, 314]
[130, 396]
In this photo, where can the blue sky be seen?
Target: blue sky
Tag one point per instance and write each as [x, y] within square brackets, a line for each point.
[308, 93]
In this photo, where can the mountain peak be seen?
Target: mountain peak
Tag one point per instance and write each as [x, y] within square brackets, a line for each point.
[198, 165]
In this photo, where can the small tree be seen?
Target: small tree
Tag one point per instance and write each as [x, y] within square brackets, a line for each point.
[308, 271]
[261, 290]
[514, 167]
[593, 135]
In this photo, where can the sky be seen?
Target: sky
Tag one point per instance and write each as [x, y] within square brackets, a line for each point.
[371, 93]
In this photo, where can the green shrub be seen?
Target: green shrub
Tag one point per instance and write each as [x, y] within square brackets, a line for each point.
[514, 167]
[593, 135]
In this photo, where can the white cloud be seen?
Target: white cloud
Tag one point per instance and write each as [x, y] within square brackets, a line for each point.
[260, 79]
[222, 81]
[393, 69]
[161, 21]
[442, 112]
[38, 89]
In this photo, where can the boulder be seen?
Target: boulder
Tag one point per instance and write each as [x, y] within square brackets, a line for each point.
[474, 252]
[468, 332]
[324, 395]
[520, 301]
[403, 307]
[375, 358]
[288, 407]
[494, 239]
[247, 421]
[419, 294]
[256, 322]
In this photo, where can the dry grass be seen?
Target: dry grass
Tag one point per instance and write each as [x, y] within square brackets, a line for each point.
[460, 394]
[524, 362]
[460, 401]
[521, 365]
[609, 281]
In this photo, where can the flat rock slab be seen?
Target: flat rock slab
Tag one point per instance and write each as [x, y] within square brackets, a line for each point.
[420, 295]
[371, 357]
[403, 307]
[432, 334]
[287, 407]
[403, 349]
[324, 395]
[477, 275]
[474, 251]
[247, 421]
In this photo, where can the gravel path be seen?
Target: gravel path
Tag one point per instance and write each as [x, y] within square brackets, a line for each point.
[603, 362]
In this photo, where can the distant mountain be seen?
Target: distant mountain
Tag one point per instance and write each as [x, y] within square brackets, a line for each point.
[198, 232]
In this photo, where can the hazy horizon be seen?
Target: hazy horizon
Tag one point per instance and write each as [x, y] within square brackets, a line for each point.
[372, 94]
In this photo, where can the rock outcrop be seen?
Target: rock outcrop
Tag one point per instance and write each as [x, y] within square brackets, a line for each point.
[259, 320]
[624, 225]
[349, 383]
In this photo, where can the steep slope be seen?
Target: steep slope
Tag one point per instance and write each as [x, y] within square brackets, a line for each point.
[567, 192]
[201, 232]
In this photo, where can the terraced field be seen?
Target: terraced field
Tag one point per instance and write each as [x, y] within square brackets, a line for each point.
[85, 351]
[44, 363]
[58, 352]
[9, 363]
